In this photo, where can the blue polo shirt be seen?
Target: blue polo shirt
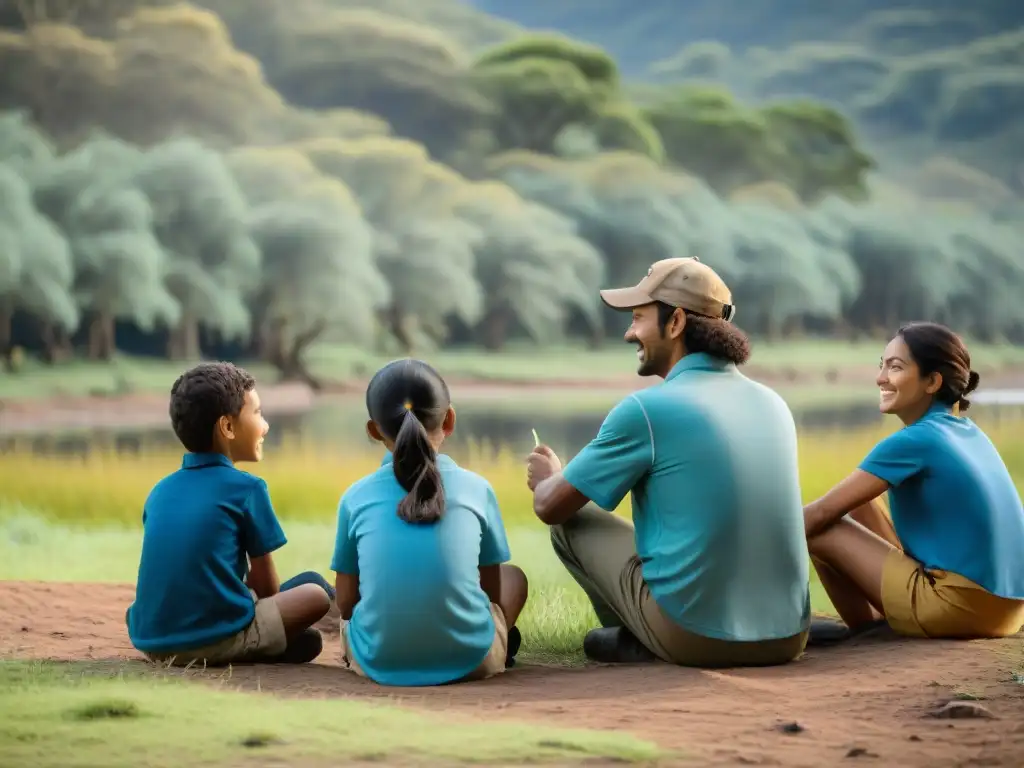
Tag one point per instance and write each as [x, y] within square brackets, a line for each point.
[199, 524]
[709, 457]
[422, 616]
[954, 505]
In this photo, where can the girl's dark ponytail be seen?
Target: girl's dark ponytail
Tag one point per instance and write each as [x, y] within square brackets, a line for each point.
[415, 465]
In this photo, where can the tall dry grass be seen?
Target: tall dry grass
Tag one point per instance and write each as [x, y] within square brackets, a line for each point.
[306, 481]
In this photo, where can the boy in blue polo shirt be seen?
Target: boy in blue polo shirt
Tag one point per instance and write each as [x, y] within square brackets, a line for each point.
[208, 590]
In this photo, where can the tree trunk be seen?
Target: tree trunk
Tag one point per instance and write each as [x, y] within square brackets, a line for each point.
[288, 358]
[183, 341]
[6, 319]
[494, 328]
[397, 322]
[56, 344]
[102, 342]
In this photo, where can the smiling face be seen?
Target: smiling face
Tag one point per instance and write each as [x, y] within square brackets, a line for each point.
[242, 436]
[657, 349]
[902, 390]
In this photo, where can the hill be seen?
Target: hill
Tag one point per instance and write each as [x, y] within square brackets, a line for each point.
[920, 80]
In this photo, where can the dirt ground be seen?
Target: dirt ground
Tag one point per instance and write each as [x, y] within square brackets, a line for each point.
[869, 702]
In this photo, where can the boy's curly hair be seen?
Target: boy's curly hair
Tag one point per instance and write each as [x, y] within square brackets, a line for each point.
[201, 395]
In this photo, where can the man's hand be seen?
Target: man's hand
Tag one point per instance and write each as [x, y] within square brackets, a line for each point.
[541, 464]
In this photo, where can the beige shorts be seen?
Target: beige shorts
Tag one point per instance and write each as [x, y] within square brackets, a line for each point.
[922, 602]
[265, 636]
[493, 663]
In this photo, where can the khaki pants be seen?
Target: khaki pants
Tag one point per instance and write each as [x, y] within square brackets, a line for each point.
[599, 550]
[263, 638]
[493, 663]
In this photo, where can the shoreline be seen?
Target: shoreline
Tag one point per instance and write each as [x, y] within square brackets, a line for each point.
[148, 410]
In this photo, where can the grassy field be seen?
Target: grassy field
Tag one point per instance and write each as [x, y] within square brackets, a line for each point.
[79, 716]
[77, 519]
[334, 362]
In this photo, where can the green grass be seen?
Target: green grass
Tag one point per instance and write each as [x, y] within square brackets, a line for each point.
[556, 618]
[518, 363]
[79, 715]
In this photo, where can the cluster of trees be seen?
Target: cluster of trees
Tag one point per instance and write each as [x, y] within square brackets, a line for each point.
[145, 69]
[264, 176]
[276, 247]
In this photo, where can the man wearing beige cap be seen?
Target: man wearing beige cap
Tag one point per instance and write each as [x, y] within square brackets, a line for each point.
[715, 572]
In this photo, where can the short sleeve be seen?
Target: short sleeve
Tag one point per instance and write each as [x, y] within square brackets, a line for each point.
[895, 459]
[613, 462]
[262, 531]
[494, 541]
[345, 559]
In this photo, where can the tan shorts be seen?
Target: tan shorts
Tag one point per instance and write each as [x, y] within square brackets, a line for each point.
[265, 636]
[921, 602]
[493, 663]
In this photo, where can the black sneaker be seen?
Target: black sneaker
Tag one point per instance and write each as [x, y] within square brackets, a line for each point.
[302, 648]
[615, 645]
[515, 639]
[825, 631]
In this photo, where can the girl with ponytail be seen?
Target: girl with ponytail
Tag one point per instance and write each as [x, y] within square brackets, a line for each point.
[945, 560]
[423, 584]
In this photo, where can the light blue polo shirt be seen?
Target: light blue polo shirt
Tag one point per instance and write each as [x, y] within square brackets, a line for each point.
[199, 525]
[710, 458]
[422, 616]
[953, 503]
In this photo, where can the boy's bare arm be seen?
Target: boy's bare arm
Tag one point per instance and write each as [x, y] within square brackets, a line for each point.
[490, 581]
[263, 579]
[346, 588]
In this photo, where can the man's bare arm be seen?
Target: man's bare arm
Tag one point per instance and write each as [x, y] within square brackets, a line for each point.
[555, 500]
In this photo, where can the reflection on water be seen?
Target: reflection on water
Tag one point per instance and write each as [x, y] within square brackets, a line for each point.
[485, 426]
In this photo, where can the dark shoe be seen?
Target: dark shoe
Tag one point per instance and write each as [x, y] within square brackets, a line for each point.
[515, 639]
[302, 648]
[615, 645]
[825, 632]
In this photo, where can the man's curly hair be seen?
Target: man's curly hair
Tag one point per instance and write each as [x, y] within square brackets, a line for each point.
[200, 396]
[718, 338]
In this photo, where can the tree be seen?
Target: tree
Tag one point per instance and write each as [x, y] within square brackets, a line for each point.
[411, 75]
[318, 272]
[533, 267]
[61, 77]
[424, 251]
[200, 221]
[119, 266]
[544, 83]
[822, 154]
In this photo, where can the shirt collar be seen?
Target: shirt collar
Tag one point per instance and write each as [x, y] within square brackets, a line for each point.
[443, 459]
[699, 361]
[200, 460]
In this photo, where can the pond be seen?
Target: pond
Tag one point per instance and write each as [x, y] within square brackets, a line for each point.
[565, 424]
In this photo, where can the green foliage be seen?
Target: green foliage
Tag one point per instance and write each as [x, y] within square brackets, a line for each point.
[252, 177]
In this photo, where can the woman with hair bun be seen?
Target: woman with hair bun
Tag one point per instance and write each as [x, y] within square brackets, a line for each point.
[949, 561]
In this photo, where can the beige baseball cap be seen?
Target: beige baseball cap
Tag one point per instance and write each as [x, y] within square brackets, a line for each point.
[684, 283]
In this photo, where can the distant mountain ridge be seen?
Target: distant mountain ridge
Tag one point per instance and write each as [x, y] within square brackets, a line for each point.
[639, 34]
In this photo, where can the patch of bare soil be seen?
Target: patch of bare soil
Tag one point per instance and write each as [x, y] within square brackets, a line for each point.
[877, 702]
